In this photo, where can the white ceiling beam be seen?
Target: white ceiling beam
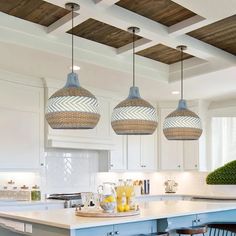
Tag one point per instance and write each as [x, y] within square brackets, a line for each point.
[210, 9]
[106, 2]
[195, 67]
[188, 25]
[205, 51]
[140, 45]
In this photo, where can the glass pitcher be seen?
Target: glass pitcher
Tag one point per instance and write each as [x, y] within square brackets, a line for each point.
[107, 189]
[107, 195]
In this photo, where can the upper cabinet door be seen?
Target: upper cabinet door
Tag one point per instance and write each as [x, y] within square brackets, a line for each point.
[149, 152]
[171, 152]
[191, 155]
[118, 153]
[21, 125]
[191, 151]
[134, 152]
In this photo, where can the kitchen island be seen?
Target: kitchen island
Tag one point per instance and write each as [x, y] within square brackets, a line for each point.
[154, 217]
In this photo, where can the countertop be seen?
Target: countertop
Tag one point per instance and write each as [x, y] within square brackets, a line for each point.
[193, 195]
[26, 203]
[66, 218]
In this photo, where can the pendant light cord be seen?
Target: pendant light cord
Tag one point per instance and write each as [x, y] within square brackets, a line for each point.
[182, 76]
[72, 38]
[133, 57]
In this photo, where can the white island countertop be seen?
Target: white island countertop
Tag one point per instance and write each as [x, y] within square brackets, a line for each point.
[66, 218]
[210, 196]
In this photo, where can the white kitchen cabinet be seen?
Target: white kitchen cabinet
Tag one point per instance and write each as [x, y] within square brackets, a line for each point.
[191, 155]
[21, 125]
[118, 153]
[177, 155]
[149, 152]
[99, 138]
[142, 152]
[191, 151]
[134, 152]
[171, 152]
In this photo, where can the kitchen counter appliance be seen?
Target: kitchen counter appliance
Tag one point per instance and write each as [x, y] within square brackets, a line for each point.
[72, 200]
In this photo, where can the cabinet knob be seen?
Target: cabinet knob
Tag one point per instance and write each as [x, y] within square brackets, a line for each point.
[111, 234]
[111, 165]
[117, 232]
[179, 166]
[196, 165]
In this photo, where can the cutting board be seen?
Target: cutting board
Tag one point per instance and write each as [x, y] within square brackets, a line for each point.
[101, 213]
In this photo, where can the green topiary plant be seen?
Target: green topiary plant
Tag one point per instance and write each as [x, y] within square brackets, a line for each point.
[225, 175]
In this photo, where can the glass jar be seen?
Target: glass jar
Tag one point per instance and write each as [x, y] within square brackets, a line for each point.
[35, 193]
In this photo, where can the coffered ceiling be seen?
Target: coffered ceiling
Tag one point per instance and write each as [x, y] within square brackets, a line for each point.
[221, 34]
[103, 33]
[165, 12]
[36, 11]
[163, 54]
[102, 38]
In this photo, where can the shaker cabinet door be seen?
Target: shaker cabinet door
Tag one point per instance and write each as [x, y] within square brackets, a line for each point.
[21, 125]
[171, 152]
[134, 152]
[149, 152]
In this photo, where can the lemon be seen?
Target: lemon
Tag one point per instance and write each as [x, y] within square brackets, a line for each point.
[120, 208]
[126, 208]
[110, 199]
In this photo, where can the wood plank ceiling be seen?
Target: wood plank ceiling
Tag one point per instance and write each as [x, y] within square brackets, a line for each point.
[163, 54]
[221, 34]
[103, 33]
[36, 11]
[165, 12]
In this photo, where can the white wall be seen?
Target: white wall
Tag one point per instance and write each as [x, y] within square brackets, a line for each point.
[20, 178]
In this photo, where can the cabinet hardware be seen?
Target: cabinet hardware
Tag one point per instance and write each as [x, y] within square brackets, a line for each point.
[111, 165]
[196, 165]
[111, 234]
[143, 166]
[179, 166]
[117, 232]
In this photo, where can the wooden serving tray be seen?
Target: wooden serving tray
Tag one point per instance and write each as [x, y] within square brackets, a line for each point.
[101, 213]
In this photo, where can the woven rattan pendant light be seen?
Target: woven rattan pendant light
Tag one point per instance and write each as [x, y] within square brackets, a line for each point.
[72, 107]
[134, 115]
[182, 124]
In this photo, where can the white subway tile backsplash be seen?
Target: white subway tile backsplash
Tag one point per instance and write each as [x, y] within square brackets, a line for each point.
[70, 170]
